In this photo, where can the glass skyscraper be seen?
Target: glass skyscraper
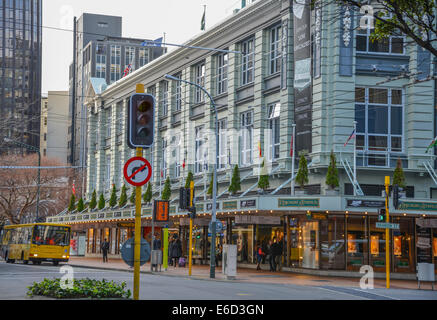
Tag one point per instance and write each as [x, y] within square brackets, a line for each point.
[20, 70]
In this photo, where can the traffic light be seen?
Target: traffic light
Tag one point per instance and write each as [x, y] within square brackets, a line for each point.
[184, 198]
[396, 190]
[193, 212]
[382, 215]
[141, 121]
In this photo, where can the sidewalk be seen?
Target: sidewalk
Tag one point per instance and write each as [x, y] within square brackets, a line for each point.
[202, 272]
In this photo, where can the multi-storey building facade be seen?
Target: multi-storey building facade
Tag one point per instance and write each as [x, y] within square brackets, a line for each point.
[101, 52]
[54, 131]
[266, 81]
[20, 70]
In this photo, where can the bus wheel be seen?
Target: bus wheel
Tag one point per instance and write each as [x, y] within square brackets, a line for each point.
[55, 263]
[34, 262]
[7, 258]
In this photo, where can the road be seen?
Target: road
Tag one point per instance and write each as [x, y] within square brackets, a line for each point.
[14, 279]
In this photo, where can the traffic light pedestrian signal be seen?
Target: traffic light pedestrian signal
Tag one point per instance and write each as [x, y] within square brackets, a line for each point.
[184, 198]
[141, 121]
[382, 215]
[396, 190]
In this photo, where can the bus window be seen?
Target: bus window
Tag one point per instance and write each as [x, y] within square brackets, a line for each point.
[51, 235]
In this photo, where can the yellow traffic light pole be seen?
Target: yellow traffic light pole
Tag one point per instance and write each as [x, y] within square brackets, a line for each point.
[191, 231]
[137, 252]
[387, 234]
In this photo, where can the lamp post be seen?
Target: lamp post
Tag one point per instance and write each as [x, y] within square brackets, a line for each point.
[214, 188]
[32, 148]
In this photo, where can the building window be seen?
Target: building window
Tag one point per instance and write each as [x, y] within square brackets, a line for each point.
[247, 61]
[45, 136]
[275, 50]
[199, 73]
[201, 151]
[115, 63]
[129, 58]
[223, 143]
[108, 127]
[274, 117]
[143, 55]
[102, 24]
[178, 95]
[101, 61]
[164, 98]
[222, 73]
[391, 45]
[379, 113]
[246, 138]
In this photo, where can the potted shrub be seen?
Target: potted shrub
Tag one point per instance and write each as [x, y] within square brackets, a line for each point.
[72, 205]
[235, 181]
[166, 193]
[123, 197]
[93, 202]
[102, 203]
[132, 197]
[399, 178]
[189, 179]
[263, 183]
[80, 205]
[148, 195]
[302, 175]
[332, 177]
[113, 199]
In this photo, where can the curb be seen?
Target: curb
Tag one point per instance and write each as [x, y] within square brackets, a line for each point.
[155, 273]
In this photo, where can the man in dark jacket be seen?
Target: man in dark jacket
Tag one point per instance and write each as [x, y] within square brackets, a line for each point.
[175, 250]
[105, 249]
[277, 253]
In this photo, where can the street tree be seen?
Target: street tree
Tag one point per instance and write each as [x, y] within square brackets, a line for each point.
[19, 189]
[414, 19]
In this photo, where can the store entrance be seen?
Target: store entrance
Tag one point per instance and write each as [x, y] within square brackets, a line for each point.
[311, 245]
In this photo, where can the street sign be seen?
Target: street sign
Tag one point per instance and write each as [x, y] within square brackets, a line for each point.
[137, 171]
[127, 252]
[161, 211]
[385, 225]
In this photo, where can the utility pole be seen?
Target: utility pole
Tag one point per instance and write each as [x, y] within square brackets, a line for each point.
[190, 253]
[387, 233]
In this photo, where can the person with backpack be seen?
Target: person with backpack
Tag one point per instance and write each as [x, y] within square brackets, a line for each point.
[105, 249]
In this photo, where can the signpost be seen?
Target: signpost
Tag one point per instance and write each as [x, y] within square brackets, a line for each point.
[385, 225]
[137, 171]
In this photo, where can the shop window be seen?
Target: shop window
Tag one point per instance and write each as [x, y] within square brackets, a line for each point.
[310, 243]
[403, 245]
[434, 248]
[357, 243]
[242, 236]
[332, 243]
[295, 248]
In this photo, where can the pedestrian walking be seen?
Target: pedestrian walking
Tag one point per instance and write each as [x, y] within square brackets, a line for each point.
[277, 252]
[156, 246]
[105, 249]
[175, 250]
[270, 249]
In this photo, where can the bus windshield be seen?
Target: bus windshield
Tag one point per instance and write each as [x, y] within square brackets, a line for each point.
[51, 235]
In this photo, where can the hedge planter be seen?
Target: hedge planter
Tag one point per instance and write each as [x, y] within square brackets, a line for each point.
[332, 192]
[82, 289]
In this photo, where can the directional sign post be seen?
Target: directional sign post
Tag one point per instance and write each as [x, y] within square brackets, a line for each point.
[137, 171]
[385, 225]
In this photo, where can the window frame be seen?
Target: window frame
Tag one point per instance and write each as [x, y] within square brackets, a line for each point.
[275, 46]
[274, 119]
[222, 73]
[199, 79]
[390, 43]
[247, 61]
[367, 150]
[223, 143]
[246, 138]
[115, 63]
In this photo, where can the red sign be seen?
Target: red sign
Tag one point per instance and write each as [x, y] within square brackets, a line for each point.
[137, 171]
[161, 211]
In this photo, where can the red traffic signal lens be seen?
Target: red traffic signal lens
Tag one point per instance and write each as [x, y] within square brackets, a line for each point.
[143, 119]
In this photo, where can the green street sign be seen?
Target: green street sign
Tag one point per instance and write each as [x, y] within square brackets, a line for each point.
[385, 225]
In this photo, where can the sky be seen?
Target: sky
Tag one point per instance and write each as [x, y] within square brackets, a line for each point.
[180, 20]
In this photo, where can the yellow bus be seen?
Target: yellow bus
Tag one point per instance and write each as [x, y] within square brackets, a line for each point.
[35, 242]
